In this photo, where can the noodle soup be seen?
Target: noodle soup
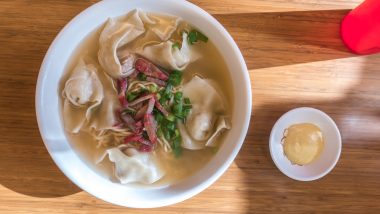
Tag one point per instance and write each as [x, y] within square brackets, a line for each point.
[146, 99]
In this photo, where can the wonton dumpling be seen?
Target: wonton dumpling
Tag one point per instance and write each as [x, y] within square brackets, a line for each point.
[132, 166]
[123, 30]
[116, 33]
[161, 25]
[82, 93]
[168, 57]
[90, 99]
[205, 121]
[103, 116]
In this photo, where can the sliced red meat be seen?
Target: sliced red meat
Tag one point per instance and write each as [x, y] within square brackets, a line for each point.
[122, 87]
[140, 113]
[145, 148]
[132, 138]
[151, 102]
[149, 69]
[157, 81]
[160, 107]
[129, 122]
[141, 99]
[150, 127]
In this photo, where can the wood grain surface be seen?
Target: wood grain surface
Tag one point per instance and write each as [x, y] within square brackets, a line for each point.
[295, 58]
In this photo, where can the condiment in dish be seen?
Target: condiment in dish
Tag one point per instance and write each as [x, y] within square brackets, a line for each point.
[303, 143]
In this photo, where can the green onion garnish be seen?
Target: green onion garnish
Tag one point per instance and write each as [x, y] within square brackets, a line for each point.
[131, 96]
[175, 78]
[195, 35]
[186, 101]
[177, 109]
[167, 134]
[176, 133]
[141, 77]
[158, 96]
[159, 117]
[177, 149]
[159, 132]
[178, 97]
[171, 126]
[186, 112]
[129, 111]
[168, 89]
[176, 45]
[171, 117]
[153, 88]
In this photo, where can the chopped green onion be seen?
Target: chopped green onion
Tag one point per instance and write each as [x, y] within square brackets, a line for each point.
[162, 98]
[167, 135]
[156, 111]
[171, 126]
[129, 111]
[142, 90]
[158, 96]
[168, 96]
[131, 96]
[186, 112]
[176, 45]
[192, 37]
[176, 146]
[177, 109]
[171, 117]
[165, 94]
[186, 100]
[178, 96]
[141, 77]
[195, 35]
[168, 89]
[159, 132]
[175, 78]
[159, 117]
[153, 88]
[166, 107]
[202, 37]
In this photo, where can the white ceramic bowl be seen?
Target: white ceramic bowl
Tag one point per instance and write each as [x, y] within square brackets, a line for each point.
[49, 119]
[329, 156]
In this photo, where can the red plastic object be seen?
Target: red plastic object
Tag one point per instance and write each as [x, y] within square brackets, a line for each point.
[360, 29]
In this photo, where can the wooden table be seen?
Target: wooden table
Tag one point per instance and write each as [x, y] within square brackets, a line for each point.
[295, 58]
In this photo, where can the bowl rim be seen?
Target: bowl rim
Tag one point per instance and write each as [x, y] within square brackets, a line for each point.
[188, 192]
[337, 153]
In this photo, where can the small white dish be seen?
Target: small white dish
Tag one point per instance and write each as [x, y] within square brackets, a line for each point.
[329, 156]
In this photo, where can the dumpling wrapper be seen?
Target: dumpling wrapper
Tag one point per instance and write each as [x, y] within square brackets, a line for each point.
[82, 93]
[90, 99]
[121, 31]
[166, 56]
[103, 116]
[161, 25]
[133, 167]
[206, 120]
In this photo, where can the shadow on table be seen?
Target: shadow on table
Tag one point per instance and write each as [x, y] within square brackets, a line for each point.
[25, 165]
[278, 39]
[286, 38]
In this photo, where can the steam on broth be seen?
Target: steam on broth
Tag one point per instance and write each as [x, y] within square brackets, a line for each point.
[146, 99]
